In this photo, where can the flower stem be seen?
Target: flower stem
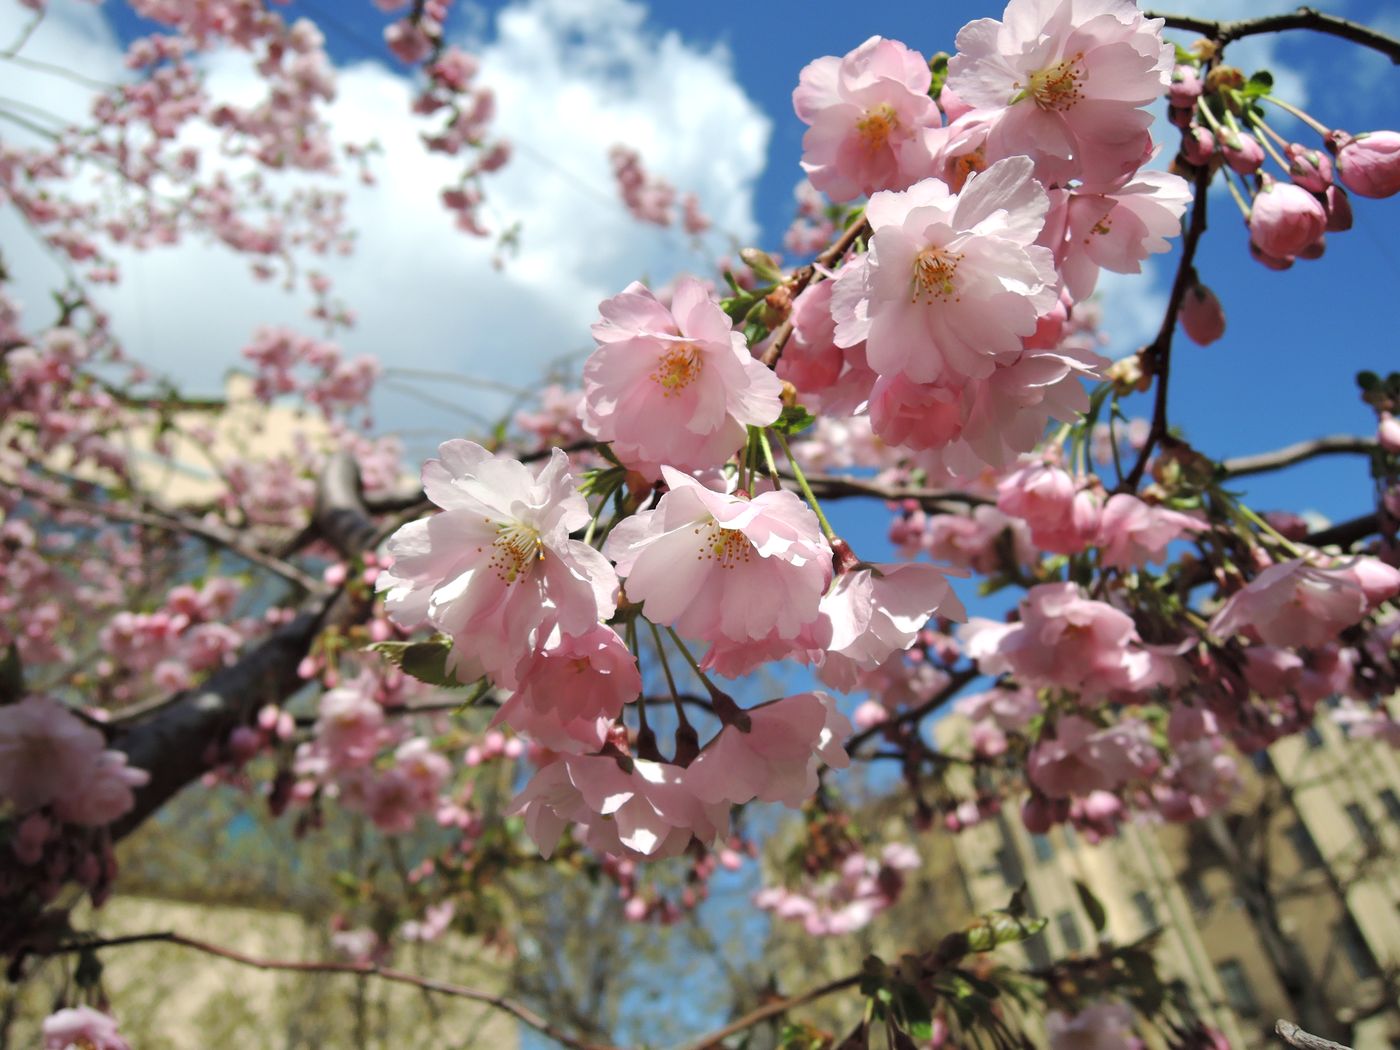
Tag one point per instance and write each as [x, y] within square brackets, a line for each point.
[728, 711]
[768, 458]
[1305, 118]
[827, 530]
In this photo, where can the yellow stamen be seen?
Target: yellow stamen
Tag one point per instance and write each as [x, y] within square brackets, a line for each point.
[729, 547]
[934, 270]
[1056, 88]
[678, 368]
[876, 127]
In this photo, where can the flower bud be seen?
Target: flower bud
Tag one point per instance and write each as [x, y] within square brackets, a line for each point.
[1388, 433]
[1242, 152]
[1338, 207]
[1185, 87]
[1309, 168]
[1285, 219]
[1197, 145]
[1369, 163]
[1202, 316]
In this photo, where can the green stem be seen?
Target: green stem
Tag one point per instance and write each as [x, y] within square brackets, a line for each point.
[1264, 527]
[1268, 145]
[1240, 201]
[1288, 108]
[801, 478]
[768, 458]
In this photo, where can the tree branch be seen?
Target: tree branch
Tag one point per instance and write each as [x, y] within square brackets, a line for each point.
[914, 715]
[519, 1011]
[173, 743]
[1159, 353]
[1303, 18]
[771, 1009]
[1291, 1034]
[1332, 445]
[802, 278]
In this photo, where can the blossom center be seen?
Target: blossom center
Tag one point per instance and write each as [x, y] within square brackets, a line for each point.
[516, 548]
[876, 126]
[934, 270]
[1057, 88]
[1102, 228]
[678, 368]
[730, 548]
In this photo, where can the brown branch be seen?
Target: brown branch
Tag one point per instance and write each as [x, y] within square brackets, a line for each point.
[838, 486]
[1332, 445]
[519, 1011]
[1345, 533]
[1291, 1034]
[799, 281]
[1303, 18]
[914, 715]
[173, 744]
[1159, 353]
[772, 1009]
[174, 522]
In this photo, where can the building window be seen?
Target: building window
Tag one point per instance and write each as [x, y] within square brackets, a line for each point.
[1037, 951]
[1365, 830]
[1237, 990]
[1147, 911]
[1304, 847]
[1391, 801]
[1043, 848]
[1010, 866]
[1196, 892]
[1358, 952]
[1069, 930]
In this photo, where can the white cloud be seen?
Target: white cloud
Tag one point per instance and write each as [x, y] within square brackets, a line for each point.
[572, 77]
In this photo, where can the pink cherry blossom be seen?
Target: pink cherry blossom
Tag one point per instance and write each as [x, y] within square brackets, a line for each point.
[716, 566]
[1296, 603]
[1102, 1026]
[45, 750]
[103, 794]
[1072, 78]
[1063, 515]
[1133, 533]
[570, 690]
[349, 728]
[674, 386]
[878, 611]
[497, 568]
[952, 282]
[776, 759]
[868, 111]
[645, 810]
[82, 1028]
[1067, 640]
[1117, 229]
[1081, 758]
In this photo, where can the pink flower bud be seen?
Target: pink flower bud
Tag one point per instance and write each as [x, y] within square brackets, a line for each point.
[1268, 260]
[1242, 152]
[1202, 316]
[1309, 168]
[1186, 87]
[1285, 219]
[1338, 206]
[1198, 145]
[1388, 433]
[1369, 163]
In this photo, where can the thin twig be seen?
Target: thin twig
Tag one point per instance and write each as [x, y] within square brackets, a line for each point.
[1333, 444]
[519, 1011]
[167, 521]
[771, 1009]
[1291, 1034]
[1159, 353]
[1303, 18]
[914, 715]
[805, 276]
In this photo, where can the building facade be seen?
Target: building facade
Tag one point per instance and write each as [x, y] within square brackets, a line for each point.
[1283, 907]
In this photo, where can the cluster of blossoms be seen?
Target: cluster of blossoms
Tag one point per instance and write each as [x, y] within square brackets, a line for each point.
[82, 1028]
[651, 199]
[842, 901]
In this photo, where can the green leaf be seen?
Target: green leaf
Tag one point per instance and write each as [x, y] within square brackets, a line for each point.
[425, 661]
[1259, 85]
[794, 420]
[938, 67]
[1184, 57]
[11, 676]
[1093, 907]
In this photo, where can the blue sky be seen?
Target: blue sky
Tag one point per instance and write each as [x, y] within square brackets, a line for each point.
[1284, 369]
